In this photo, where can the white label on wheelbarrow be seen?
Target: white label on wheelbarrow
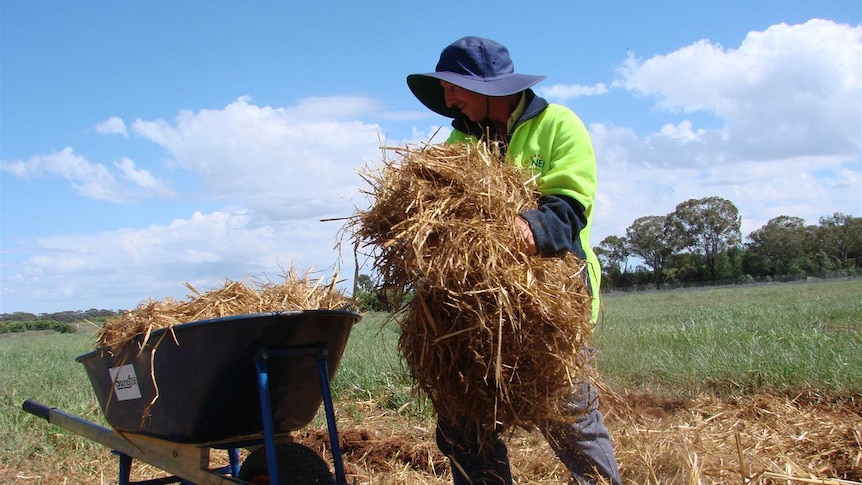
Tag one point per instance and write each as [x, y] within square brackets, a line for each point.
[125, 382]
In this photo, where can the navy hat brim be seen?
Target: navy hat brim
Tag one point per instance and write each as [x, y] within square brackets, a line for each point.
[427, 89]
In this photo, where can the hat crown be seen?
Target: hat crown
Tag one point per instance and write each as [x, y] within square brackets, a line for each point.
[476, 57]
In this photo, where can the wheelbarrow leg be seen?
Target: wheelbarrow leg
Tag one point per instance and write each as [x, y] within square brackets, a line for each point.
[125, 468]
[337, 459]
[233, 456]
[320, 354]
[126, 473]
[266, 415]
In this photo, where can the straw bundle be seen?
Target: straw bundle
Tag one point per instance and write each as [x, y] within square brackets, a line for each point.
[490, 334]
[295, 292]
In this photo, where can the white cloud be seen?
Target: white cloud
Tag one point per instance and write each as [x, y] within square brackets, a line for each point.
[331, 108]
[682, 132]
[285, 162]
[791, 90]
[127, 266]
[562, 92]
[142, 178]
[91, 180]
[434, 134]
[112, 126]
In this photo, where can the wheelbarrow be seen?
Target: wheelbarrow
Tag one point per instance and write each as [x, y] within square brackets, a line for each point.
[227, 383]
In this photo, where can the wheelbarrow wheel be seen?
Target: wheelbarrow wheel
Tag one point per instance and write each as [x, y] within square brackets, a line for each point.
[297, 464]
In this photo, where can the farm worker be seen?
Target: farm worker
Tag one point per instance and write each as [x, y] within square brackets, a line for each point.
[476, 85]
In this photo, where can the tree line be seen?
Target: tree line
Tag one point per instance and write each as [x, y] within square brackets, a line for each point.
[701, 240]
[67, 317]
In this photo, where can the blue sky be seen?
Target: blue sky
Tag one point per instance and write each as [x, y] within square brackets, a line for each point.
[144, 145]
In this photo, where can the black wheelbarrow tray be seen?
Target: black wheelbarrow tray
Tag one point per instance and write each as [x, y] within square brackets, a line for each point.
[226, 383]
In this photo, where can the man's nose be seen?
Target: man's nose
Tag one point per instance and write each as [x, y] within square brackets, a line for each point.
[448, 98]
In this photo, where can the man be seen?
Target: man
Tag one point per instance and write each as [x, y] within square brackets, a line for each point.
[476, 85]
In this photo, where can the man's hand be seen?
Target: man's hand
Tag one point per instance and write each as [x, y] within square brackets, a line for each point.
[527, 235]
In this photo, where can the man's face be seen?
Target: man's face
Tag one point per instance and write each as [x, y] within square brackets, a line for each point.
[473, 105]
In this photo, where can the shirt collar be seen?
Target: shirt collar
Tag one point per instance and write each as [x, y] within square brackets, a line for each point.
[516, 115]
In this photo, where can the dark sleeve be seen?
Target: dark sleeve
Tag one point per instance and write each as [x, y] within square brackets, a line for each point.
[556, 225]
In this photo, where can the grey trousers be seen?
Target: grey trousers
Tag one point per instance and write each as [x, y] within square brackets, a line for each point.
[583, 447]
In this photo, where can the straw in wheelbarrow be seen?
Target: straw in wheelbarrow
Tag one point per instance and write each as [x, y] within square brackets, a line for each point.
[296, 291]
[488, 333]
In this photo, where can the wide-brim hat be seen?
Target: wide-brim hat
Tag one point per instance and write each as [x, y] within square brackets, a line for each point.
[475, 64]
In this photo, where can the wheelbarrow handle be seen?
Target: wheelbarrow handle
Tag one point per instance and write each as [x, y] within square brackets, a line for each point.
[37, 409]
[185, 460]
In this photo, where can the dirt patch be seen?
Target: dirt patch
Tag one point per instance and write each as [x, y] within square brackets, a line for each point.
[645, 405]
[372, 451]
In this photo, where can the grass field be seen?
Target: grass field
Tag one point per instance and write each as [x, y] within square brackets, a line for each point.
[774, 338]
[680, 348]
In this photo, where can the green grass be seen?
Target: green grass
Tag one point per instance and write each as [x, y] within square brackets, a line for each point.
[781, 338]
[371, 369]
[370, 361]
[41, 366]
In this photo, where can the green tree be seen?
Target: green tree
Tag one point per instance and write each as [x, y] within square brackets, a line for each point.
[779, 245]
[840, 238]
[365, 283]
[17, 317]
[654, 240]
[708, 226]
[613, 252]
[364, 293]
